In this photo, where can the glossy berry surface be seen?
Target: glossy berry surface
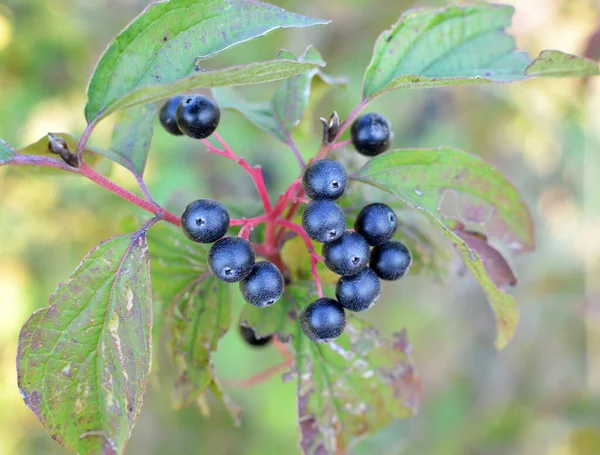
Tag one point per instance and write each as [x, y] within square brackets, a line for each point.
[231, 259]
[323, 220]
[205, 221]
[323, 320]
[347, 255]
[250, 337]
[358, 292]
[168, 116]
[377, 223]
[324, 179]
[391, 261]
[263, 286]
[371, 134]
[198, 116]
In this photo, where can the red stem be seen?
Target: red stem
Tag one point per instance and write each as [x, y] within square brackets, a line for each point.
[326, 148]
[102, 181]
[314, 257]
[254, 172]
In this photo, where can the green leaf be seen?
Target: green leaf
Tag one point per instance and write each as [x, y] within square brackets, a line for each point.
[419, 178]
[352, 387]
[132, 136]
[6, 152]
[459, 45]
[432, 178]
[558, 64]
[450, 46]
[197, 320]
[195, 307]
[280, 116]
[83, 363]
[162, 44]
[254, 73]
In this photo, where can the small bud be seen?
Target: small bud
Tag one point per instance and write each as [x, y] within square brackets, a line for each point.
[331, 128]
[58, 146]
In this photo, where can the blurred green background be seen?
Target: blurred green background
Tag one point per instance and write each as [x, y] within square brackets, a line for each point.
[538, 396]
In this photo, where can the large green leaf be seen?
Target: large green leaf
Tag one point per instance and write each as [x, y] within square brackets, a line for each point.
[254, 73]
[280, 116]
[558, 64]
[479, 192]
[420, 177]
[454, 46]
[352, 387]
[132, 136]
[6, 152]
[83, 363]
[163, 43]
[197, 320]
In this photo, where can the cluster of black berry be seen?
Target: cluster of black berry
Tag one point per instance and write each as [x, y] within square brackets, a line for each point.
[230, 259]
[347, 253]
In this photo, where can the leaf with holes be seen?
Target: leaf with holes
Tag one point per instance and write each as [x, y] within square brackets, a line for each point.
[280, 116]
[451, 183]
[559, 64]
[132, 136]
[83, 363]
[197, 319]
[458, 45]
[352, 387]
[6, 152]
[162, 45]
[419, 178]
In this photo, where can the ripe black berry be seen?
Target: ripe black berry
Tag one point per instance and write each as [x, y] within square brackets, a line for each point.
[323, 220]
[205, 221]
[250, 337]
[358, 292]
[377, 223]
[371, 134]
[167, 116]
[198, 116]
[391, 261]
[231, 259]
[324, 179]
[347, 255]
[263, 286]
[323, 320]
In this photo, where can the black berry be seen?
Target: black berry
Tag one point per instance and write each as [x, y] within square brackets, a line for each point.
[263, 286]
[231, 259]
[324, 179]
[347, 255]
[168, 118]
[198, 116]
[323, 220]
[371, 134]
[358, 292]
[391, 260]
[323, 320]
[377, 223]
[205, 221]
[250, 337]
